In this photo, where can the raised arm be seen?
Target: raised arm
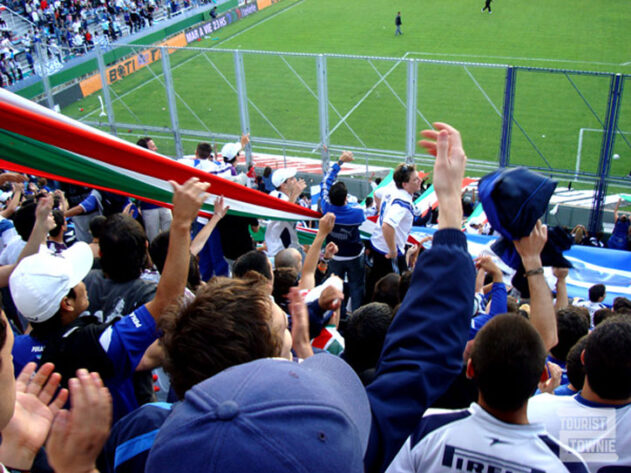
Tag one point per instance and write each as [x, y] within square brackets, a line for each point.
[422, 353]
[43, 224]
[18, 190]
[542, 315]
[187, 200]
[307, 280]
[562, 300]
[200, 239]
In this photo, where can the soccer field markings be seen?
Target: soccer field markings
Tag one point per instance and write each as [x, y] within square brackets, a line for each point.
[517, 58]
[186, 61]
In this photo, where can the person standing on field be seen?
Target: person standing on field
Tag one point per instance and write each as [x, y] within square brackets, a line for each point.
[398, 23]
[487, 6]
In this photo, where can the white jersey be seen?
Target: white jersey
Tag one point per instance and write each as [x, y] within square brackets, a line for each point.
[474, 440]
[398, 212]
[280, 234]
[600, 433]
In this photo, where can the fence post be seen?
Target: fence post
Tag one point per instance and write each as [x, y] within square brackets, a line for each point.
[411, 136]
[243, 103]
[45, 79]
[106, 90]
[323, 110]
[168, 84]
[507, 119]
[604, 165]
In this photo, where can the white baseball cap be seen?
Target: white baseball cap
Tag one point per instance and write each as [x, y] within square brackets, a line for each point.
[281, 175]
[40, 282]
[230, 151]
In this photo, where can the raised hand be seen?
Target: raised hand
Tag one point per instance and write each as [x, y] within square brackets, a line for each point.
[188, 199]
[446, 144]
[77, 436]
[35, 408]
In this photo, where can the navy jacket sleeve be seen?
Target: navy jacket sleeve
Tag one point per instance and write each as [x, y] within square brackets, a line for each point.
[422, 353]
[327, 182]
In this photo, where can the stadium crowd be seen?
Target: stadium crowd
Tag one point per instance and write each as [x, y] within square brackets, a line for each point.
[69, 28]
[134, 338]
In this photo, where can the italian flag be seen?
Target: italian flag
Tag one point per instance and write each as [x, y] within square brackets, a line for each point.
[38, 141]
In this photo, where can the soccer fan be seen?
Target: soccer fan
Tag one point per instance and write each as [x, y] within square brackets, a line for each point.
[282, 234]
[395, 222]
[597, 420]
[48, 291]
[349, 261]
[507, 362]
[274, 415]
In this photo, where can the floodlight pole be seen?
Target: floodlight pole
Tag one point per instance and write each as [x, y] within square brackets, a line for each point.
[168, 85]
[106, 90]
[323, 111]
[411, 111]
[604, 165]
[243, 103]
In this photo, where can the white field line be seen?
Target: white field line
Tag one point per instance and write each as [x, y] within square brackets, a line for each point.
[513, 58]
[139, 86]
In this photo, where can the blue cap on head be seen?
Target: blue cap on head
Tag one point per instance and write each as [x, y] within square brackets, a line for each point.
[269, 415]
[513, 199]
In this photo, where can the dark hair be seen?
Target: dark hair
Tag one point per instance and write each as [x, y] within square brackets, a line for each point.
[608, 359]
[508, 358]
[387, 290]
[596, 292]
[571, 326]
[255, 261]
[574, 365]
[41, 330]
[97, 224]
[369, 201]
[404, 284]
[378, 180]
[228, 323]
[267, 172]
[144, 142]
[338, 193]
[512, 305]
[621, 303]
[402, 174]
[601, 315]
[204, 150]
[123, 248]
[284, 279]
[24, 219]
[365, 334]
[58, 216]
[158, 251]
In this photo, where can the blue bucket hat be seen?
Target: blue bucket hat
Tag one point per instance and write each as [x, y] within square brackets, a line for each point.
[513, 199]
[269, 415]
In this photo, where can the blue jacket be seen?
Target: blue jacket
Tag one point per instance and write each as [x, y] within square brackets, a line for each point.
[345, 233]
[422, 353]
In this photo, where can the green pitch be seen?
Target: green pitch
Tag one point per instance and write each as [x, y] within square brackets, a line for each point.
[550, 109]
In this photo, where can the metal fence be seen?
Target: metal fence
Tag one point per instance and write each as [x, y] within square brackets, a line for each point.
[571, 125]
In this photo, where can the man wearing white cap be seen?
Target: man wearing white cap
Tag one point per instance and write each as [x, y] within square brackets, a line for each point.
[282, 234]
[48, 290]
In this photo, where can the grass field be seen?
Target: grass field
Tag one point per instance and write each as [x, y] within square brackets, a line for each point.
[550, 108]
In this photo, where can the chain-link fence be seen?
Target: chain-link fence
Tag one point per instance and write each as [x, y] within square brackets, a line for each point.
[572, 125]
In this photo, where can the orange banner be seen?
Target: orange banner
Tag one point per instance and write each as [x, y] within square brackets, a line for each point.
[130, 65]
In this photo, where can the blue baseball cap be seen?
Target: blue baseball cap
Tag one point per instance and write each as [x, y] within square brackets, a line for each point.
[269, 415]
[513, 199]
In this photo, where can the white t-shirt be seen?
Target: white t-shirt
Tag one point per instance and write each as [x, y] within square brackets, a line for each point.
[280, 234]
[398, 212]
[474, 440]
[601, 434]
